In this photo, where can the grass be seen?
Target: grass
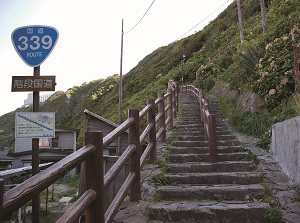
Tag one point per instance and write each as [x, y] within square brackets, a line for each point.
[160, 179]
[273, 215]
[259, 125]
[70, 180]
[253, 124]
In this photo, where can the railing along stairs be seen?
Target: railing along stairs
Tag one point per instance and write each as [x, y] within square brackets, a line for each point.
[207, 117]
[91, 201]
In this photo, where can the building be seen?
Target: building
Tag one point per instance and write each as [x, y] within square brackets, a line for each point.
[29, 100]
[50, 149]
[5, 161]
[94, 122]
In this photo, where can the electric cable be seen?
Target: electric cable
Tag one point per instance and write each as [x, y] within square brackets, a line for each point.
[203, 20]
[141, 18]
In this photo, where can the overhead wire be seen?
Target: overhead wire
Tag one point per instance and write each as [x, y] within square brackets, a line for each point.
[202, 20]
[224, 48]
[141, 18]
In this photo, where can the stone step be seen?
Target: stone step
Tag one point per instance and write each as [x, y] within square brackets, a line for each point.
[209, 212]
[211, 192]
[205, 143]
[204, 149]
[189, 126]
[199, 137]
[245, 177]
[200, 125]
[227, 166]
[205, 157]
[200, 130]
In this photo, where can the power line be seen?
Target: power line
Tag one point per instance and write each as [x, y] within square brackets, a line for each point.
[141, 18]
[203, 20]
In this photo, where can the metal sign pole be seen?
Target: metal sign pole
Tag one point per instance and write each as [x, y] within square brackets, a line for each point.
[34, 44]
[118, 152]
[35, 152]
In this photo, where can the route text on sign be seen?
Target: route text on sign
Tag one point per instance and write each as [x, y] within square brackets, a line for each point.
[33, 83]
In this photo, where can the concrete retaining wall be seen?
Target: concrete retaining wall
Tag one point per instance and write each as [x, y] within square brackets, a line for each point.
[285, 147]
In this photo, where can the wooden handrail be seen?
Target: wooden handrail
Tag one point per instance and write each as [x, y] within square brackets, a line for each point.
[208, 119]
[78, 207]
[91, 201]
[19, 195]
[113, 171]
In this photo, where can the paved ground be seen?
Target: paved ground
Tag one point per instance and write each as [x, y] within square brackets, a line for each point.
[284, 193]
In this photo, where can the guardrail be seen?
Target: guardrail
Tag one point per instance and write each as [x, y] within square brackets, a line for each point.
[91, 201]
[208, 119]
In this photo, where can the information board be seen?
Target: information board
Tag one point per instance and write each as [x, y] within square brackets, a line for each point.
[35, 124]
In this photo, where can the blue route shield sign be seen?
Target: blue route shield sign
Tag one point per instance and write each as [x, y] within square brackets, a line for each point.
[34, 43]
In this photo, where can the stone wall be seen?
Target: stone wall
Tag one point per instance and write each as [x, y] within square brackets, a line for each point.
[245, 100]
[285, 147]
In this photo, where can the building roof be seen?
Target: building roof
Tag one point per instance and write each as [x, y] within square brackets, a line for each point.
[4, 157]
[100, 118]
[61, 128]
[19, 171]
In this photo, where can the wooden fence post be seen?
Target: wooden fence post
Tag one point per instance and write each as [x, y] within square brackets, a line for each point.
[174, 103]
[170, 110]
[134, 160]
[162, 120]
[205, 106]
[200, 102]
[95, 177]
[1, 199]
[213, 139]
[152, 133]
[177, 95]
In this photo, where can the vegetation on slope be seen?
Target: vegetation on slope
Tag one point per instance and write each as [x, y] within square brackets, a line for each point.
[263, 63]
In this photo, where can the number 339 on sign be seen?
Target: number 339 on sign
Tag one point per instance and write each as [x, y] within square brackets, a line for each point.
[34, 43]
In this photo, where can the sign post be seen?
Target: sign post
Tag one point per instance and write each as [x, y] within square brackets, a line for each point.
[34, 44]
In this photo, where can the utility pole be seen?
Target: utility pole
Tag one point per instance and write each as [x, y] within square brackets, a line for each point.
[296, 65]
[263, 16]
[240, 21]
[182, 68]
[120, 90]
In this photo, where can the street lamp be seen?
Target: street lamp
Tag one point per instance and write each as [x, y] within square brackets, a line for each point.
[182, 70]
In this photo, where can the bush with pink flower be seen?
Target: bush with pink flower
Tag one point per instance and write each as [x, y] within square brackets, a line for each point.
[275, 71]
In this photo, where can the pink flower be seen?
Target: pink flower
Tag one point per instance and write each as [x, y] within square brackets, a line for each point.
[269, 46]
[284, 80]
[272, 91]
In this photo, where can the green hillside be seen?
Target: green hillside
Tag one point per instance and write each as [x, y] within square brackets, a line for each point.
[263, 64]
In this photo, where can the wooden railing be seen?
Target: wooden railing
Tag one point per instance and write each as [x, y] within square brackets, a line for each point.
[91, 202]
[208, 119]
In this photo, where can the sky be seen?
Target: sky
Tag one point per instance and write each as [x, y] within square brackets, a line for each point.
[89, 43]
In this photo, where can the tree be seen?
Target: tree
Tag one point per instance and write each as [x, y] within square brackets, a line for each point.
[240, 21]
[263, 16]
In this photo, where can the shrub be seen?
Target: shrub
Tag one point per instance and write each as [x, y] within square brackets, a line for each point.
[275, 71]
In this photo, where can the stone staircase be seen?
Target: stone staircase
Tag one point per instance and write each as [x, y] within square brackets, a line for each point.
[229, 190]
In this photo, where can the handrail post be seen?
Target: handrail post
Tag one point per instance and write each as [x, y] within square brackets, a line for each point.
[134, 160]
[170, 110]
[95, 179]
[162, 122]
[152, 133]
[177, 95]
[200, 102]
[174, 103]
[1, 199]
[205, 119]
[213, 139]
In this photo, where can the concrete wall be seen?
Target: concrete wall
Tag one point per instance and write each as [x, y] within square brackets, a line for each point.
[285, 147]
